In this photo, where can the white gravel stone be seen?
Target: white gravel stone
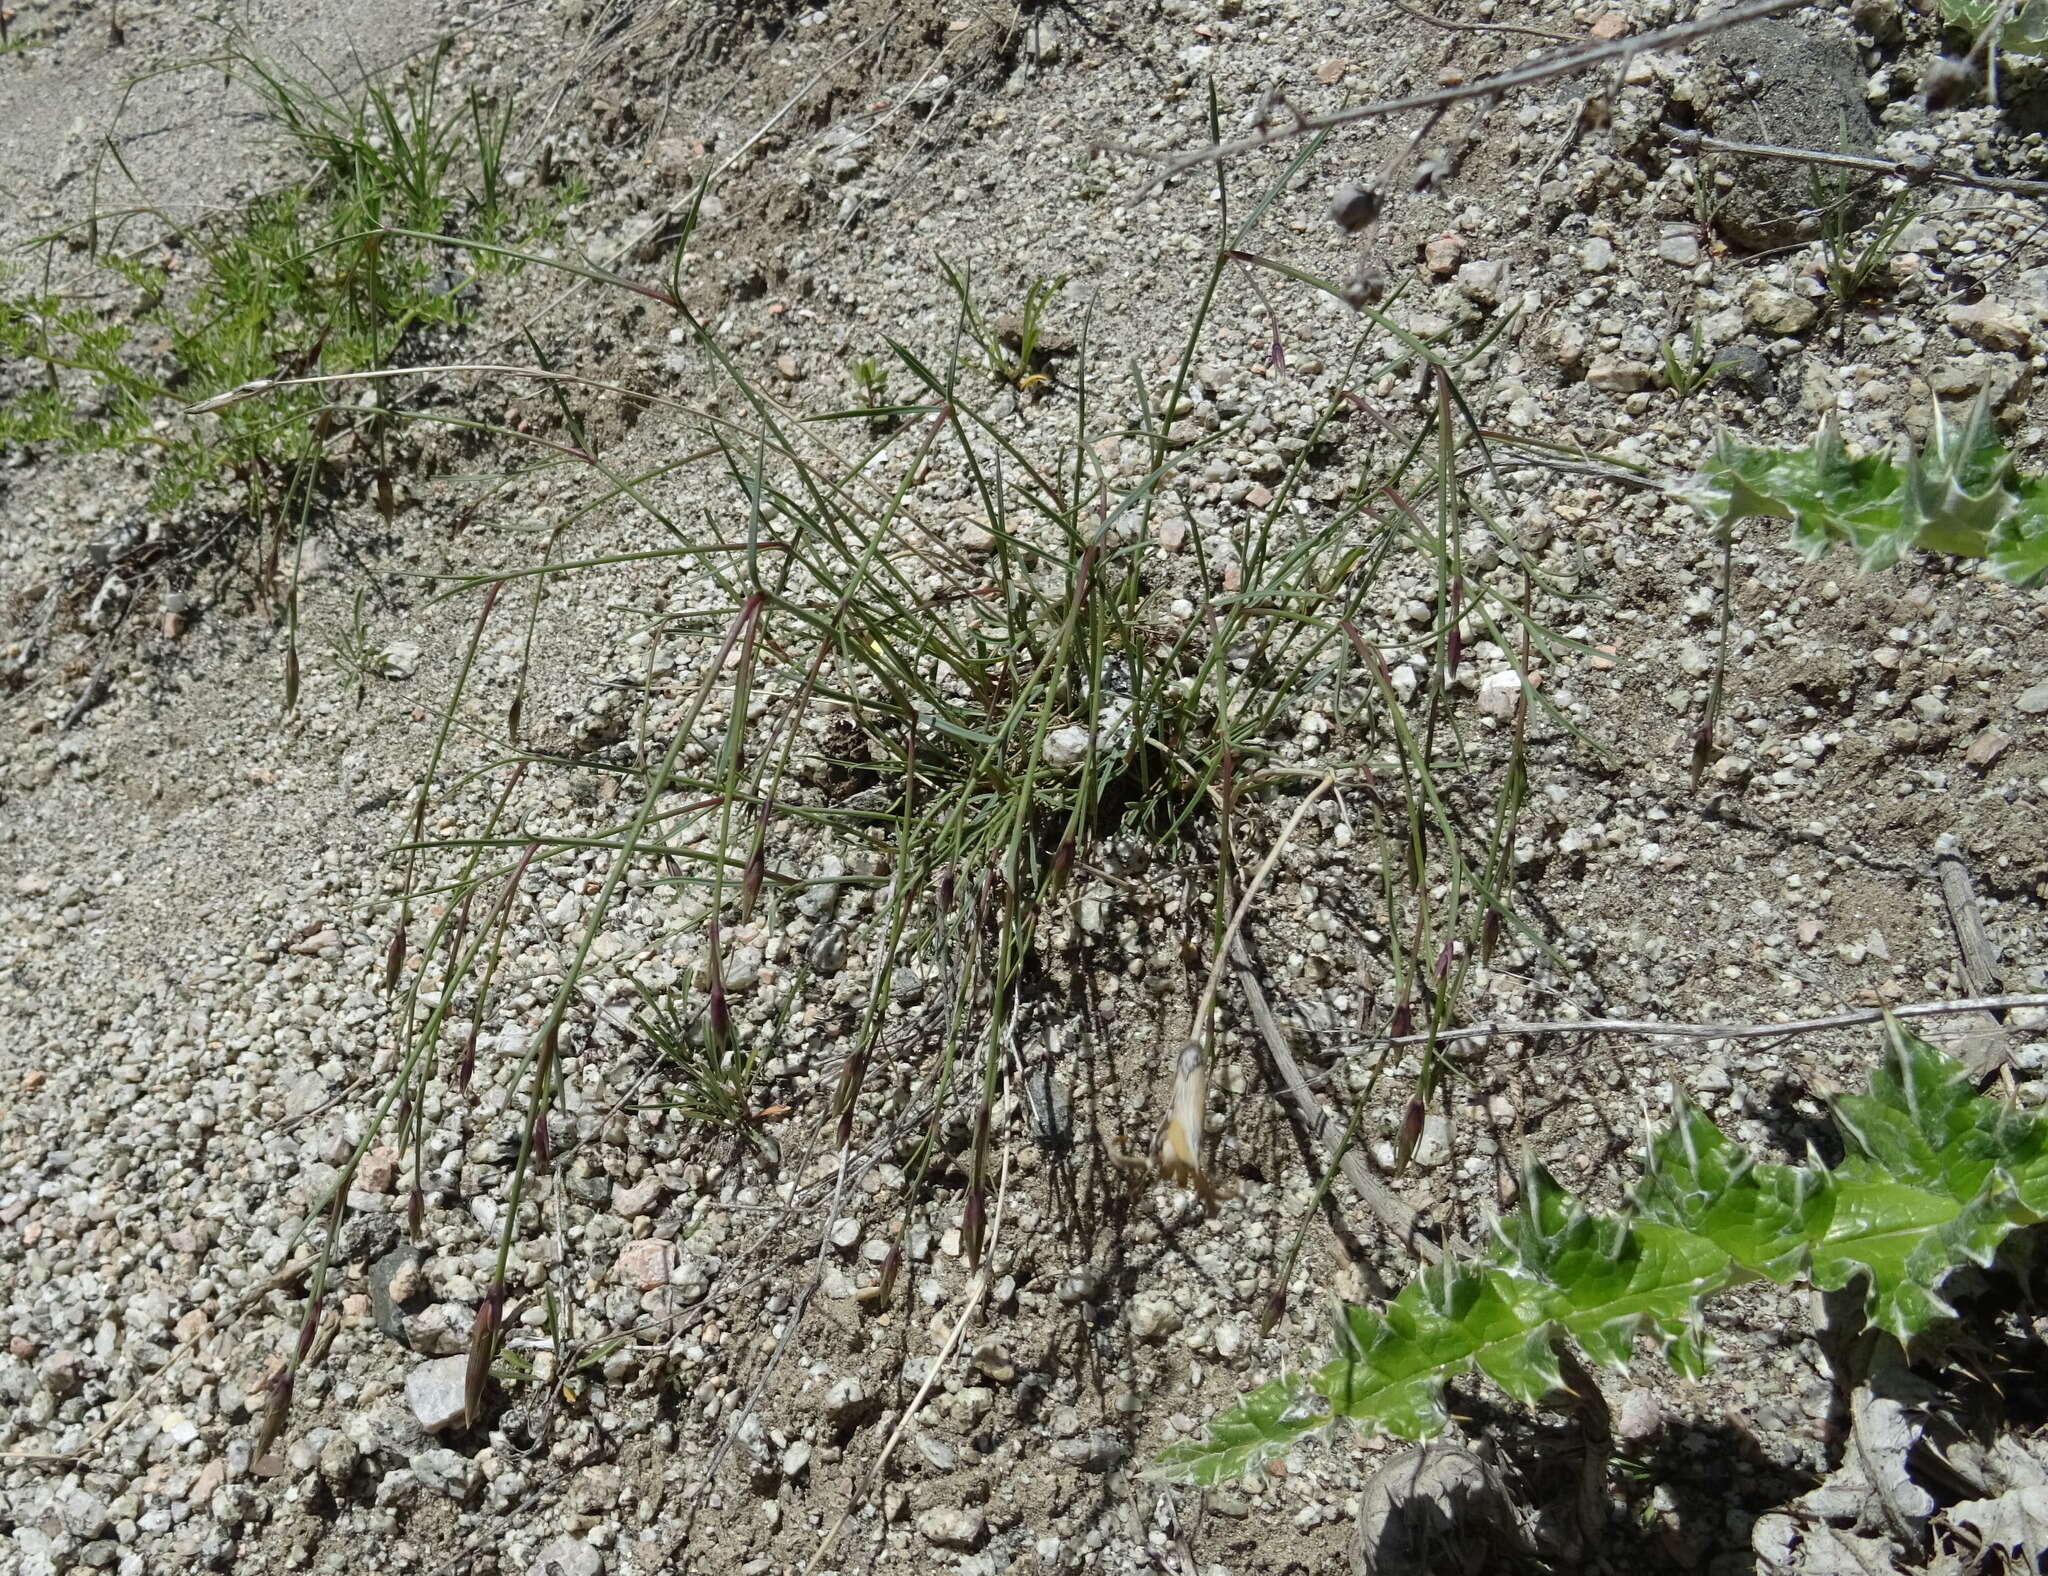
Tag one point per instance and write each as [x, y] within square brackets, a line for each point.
[953, 1527]
[435, 1391]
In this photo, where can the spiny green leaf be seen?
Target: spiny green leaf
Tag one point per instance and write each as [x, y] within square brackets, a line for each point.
[1936, 1176]
[1263, 1425]
[1763, 1216]
[1962, 495]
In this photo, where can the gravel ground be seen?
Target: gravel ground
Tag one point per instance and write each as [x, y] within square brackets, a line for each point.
[197, 893]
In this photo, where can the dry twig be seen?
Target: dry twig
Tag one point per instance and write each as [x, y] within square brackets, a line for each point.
[1673, 37]
[1914, 172]
[1696, 1031]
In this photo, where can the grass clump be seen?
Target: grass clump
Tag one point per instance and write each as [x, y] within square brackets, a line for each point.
[311, 277]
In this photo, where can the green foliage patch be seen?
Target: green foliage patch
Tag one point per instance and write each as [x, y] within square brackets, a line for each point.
[1935, 1176]
[1962, 494]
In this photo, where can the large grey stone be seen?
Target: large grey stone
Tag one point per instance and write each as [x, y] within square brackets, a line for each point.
[1776, 82]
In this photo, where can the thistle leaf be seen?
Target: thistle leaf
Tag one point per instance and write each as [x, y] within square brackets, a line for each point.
[1935, 1176]
[1962, 495]
[1263, 1425]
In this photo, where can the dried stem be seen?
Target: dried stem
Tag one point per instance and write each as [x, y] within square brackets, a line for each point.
[1672, 37]
[1914, 172]
[1698, 1031]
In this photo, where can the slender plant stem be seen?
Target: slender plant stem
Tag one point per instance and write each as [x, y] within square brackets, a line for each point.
[1699, 1031]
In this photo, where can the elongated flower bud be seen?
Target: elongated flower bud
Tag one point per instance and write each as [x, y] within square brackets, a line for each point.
[892, 1266]
[415, 1213]
[467, 1068]
[973, 1223]
[1411, 1134]
[1403, 1022]
[483, 1346]
[394, 958]
[1274, 1311]
[1489, 934]
[277, 1407]
[543, 1154]
[751, 879]
[310, 1327]
[1454, 639]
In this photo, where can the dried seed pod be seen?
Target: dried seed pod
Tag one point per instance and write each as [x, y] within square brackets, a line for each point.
[1366, 287]
[394, 958]
[415, 1213]
[1354, 206]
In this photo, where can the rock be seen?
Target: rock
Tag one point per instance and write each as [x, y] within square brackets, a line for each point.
[642, 1199]
[1096, 1452]
[85, 1515]
[1773, 311]
[401, 659]
[1443, 253]
[1500, 693]
[1775, 82]
[1066, 748]
[827, 951]
[2003, 378]
[379, 1171]
[440, 1331]
[63, 1374]
[567, 1557]
[435, 1392]
[787, 368]
[1483, 282]
[1433, 1147]
[339, 1458]
[1995, 325]
[1616, 375]
[1153, 1317]
[796, 1460]
[953, 1527]
[394, 1285]
[448, 1473]
[1679, 246]
[1567, 341]
[646, 1264]
[846, 1404]
[1597, 255]
[2034, 700]
[1639, 1417]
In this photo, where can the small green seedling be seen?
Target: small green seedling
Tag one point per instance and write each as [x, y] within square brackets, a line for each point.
[1011, 347]
[1685, 374]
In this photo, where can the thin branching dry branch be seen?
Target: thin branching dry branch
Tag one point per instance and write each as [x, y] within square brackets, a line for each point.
[1695, 1031]
[1296, 124]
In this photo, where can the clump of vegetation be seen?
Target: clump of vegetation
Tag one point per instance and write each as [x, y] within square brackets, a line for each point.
[1962, 494]
[1012, 347]
[329, 274]
[1934, 1178]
